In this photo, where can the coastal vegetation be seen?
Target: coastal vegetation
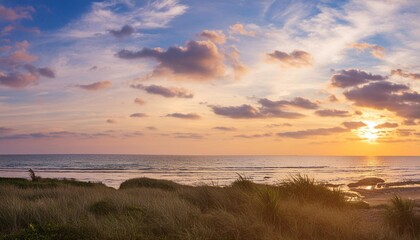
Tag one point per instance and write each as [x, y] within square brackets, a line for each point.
[143, 208]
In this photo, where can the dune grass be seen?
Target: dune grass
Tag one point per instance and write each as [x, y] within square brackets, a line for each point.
[149, 183]
[401, 218]
[146, 208]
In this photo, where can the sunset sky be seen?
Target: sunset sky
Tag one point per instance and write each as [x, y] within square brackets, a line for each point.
[210, 77]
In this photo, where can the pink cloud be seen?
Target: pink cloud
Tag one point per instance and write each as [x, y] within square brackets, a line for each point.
[239, 28]
[297, 58]
[17, 13]
[96, 86]
[375, 50]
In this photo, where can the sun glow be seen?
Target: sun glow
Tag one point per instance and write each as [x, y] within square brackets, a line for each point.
[368, 133]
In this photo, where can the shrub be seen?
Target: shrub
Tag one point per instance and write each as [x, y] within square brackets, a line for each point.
[401, 218]
[270, 207]
[149, 183]
[303, 188]
[243, 183]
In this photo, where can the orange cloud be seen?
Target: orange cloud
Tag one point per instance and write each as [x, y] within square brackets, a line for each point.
[238, 28]
[96, 86]
[217, 37]
[297, 58]
[332, 113]
[139, 101]
[168, 92]
[375, 50]
[399, 72]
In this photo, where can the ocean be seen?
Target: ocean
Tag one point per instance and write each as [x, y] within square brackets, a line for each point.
[216, 170]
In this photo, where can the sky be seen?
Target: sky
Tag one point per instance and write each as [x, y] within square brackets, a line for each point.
[214, 77]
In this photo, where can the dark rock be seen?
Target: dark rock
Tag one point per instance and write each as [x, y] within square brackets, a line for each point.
[366, 182]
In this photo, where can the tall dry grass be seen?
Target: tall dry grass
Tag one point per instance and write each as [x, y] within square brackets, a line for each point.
[149, 209]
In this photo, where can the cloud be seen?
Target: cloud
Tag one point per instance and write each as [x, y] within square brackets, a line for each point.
[405, 132]
[111, 121]
[387, 125]
[238, 28]
[332, 113]
[313, 132]
[247, 111]
[151, 128]
[296, 102]
[353, 77]
[268, 109]
[18, 80]
[332, 98]
[375, 50]
[397, 98]
[4, 130]
[169, 92]
[17, 13]
[253, 135]
[15, 72]
[217, 37]
[96, 86]
[45, 71]
[190, 116]
[243, 111]
[35, 135]
[133, 134]
[399, 72]
[354, 125]
[197, 61]
[67, 134]
[226, 129]
[273, 125]
[16, 27]
[358, 112]
[188, 135]
[125, 31]
[110, 14]
[138, 115]
[239, 69]
[139, 101]
[18, 57]
[409, 122]
[297, 58]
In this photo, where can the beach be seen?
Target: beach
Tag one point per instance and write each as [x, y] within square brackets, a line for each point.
[208, 197]
[144, 208]
[379, 197]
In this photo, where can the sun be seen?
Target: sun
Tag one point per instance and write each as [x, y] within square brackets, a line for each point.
[368, 133]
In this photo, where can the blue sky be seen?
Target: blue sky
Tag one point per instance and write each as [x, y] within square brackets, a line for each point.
[210, 74]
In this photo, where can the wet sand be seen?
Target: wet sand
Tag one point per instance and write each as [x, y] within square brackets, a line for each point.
[382, 196]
